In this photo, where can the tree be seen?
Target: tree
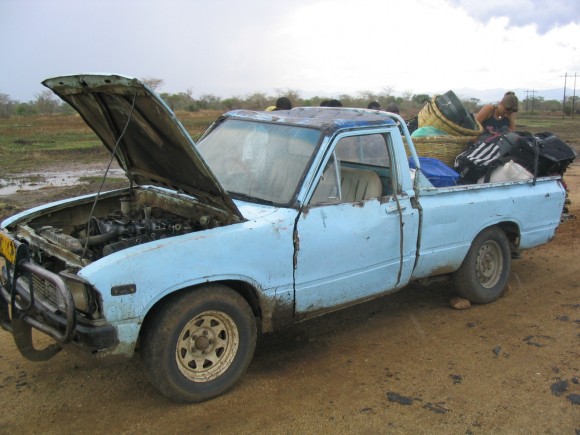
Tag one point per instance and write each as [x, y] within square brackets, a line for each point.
[408, 95]
[420, 99]
[153, 82]
[46, 102]
[311, 102]
[23, 109]
[232, 103]
[181, 101]
[368, 96]
[530, 105]
[347, 101]
[551, 106]
[387, 91]
[257, 101]
[292, 94]
[209, 101]
[471, 104]
[6, 106]
[572, 105]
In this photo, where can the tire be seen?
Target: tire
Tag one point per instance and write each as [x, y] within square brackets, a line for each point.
[484, 274]
[198, 344]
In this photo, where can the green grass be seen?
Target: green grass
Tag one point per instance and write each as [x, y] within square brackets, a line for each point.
[534, 123]
[30, 142]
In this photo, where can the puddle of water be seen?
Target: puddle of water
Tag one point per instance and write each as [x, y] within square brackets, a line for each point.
[19, 182]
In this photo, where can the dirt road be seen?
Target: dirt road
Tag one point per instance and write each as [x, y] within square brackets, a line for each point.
[406, 363]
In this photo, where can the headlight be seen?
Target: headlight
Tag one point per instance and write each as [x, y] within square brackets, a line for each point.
[79, 290]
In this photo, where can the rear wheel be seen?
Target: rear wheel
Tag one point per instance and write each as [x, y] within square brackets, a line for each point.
[198, 344]
[485, 271]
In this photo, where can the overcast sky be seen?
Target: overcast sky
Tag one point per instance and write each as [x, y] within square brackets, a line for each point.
[316, 47]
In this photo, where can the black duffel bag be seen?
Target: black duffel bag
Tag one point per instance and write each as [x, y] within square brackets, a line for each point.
[493, 150]
[555, 154]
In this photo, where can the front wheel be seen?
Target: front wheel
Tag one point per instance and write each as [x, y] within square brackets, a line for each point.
[485, 271]
[198, 344]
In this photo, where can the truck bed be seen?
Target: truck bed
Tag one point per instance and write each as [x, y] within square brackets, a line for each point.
[451, 217]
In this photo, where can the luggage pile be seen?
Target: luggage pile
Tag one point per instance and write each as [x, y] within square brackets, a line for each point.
[531, 156]
[454, 149]
[456, 127]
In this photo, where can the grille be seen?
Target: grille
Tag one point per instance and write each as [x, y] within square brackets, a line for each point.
[42, 288]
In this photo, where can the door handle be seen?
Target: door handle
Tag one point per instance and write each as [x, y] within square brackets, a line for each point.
[395, 209]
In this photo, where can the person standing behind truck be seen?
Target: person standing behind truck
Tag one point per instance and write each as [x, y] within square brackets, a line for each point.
[393, 108]
[498, 117]
[282, 103]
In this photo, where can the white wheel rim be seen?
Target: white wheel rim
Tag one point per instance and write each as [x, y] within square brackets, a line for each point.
[207, 346]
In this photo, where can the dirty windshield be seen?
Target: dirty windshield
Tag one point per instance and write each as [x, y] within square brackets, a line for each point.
[254, 160]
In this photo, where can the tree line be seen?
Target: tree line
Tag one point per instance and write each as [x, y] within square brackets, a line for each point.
[409, 103]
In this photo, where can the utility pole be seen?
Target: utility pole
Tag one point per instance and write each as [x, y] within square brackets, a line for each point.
[526, 101]
[564, 98]
[528, 92]
[574, 97]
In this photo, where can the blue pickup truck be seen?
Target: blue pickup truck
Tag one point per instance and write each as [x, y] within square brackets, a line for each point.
[271, 218]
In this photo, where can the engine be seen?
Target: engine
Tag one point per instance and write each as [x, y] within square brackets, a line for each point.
[121, 229]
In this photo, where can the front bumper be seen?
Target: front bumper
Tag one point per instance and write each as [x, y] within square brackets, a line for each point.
[23, 307]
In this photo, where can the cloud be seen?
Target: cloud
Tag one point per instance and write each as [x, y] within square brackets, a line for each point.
[316, 47]
[422, 46]
[545, 14]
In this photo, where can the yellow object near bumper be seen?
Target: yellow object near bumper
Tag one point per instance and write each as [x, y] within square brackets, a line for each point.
[7, 248]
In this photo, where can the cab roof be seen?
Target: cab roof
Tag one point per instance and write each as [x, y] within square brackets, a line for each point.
[328, 119]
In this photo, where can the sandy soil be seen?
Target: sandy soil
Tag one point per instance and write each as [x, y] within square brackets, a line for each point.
[405, 363]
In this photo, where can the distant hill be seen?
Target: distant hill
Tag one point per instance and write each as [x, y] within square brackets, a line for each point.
[494, 95]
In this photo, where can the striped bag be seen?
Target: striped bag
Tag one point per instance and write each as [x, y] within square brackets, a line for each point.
[479, 159]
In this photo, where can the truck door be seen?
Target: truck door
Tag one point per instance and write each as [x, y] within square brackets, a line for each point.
[350, 242]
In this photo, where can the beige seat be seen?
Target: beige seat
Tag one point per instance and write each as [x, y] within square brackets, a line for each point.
[359, 184]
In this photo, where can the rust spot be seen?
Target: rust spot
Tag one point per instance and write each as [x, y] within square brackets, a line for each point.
[296, 240]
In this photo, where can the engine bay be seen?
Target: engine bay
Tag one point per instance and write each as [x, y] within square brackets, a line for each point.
[119, 230]
[85, 232]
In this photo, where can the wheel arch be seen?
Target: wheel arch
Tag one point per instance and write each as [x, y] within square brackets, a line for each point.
[244, 289]
[512, 232]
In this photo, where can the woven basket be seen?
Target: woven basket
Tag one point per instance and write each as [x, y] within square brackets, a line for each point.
[444, 148]
[431, 115]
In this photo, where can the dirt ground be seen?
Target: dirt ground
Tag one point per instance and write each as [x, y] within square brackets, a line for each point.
[405, 363]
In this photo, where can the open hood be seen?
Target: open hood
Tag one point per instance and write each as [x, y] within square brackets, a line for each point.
[149, 143]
